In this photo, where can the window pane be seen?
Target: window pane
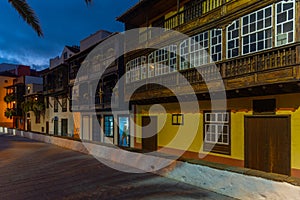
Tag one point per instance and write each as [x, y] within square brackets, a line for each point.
[285, 22]
[255, 39]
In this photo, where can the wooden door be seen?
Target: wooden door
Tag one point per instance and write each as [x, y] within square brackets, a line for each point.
[268, 143]
[55, 127]
[47, 127]
[149, 133]
[28, 124]
[64, 127]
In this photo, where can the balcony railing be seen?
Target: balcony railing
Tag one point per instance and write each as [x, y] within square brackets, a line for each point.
[195, 10]
[262, 62]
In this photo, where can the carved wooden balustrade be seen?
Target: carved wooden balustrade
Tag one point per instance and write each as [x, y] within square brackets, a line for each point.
[265, 62]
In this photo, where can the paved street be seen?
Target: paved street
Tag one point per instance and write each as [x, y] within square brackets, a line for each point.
[34, 170]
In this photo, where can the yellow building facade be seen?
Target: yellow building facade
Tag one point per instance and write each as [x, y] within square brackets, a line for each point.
[253, 46]
[5, 81]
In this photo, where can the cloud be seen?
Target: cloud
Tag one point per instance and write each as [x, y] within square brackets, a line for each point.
[31, 59]
[63, 22]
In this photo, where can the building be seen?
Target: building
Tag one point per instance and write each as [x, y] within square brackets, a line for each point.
[59, 119]
[92, 92]
[6, 79]
[15, 97]
[34, 108]
[18, 70]
[255, 47]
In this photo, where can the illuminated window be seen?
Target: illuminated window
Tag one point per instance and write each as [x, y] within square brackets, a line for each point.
[184, 54]
[177, 119]
[173, 58]
[109, 126]
[151, 67]
[162, 61]
[133, 69]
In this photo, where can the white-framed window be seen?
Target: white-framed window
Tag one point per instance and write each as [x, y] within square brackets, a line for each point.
[233, 39]
[151, 65]
[216, 44]
[257, 30]
[217, 126]
[184, 54]
[162, 61]
[134, 69]
[128, 73]
[143, 72]
[285, 22]
[173, 58]
[199, 49]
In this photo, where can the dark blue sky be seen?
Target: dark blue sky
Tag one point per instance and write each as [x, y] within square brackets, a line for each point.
[64, 22]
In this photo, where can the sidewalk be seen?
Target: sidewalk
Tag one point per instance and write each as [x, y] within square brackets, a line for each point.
[235, 182]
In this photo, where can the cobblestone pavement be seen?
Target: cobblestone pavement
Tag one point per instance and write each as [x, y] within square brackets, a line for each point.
[34, 170]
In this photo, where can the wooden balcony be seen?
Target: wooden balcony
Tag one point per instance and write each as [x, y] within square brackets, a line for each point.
[276, 65]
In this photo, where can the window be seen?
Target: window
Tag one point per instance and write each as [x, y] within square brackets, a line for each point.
[128, 72]
[124, 131]
[194, 50]
[151, 67]
[161, 61]
[233, 42]
[55, 104]
[285, 15]
[257, 30]
[192, 10]
[177, 119]
[216, 44]
[265, 106]
[64, 104]
[199, 49]
[38, 118]
[173, 58]
[64, 127]
[133, 68]
[184, 54]
[109, 126]
[217, 132]
[65, 55]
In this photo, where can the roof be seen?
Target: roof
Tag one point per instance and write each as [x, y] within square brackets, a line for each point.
[73, 49]
[8, 74]
[88, 50]
[147, 10]
[131, 10]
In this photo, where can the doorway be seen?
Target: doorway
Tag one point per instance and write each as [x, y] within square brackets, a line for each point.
[64, 127]
[124, 131]
[149, 133]
[268, 143]
[28, 124]
[55, 127]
